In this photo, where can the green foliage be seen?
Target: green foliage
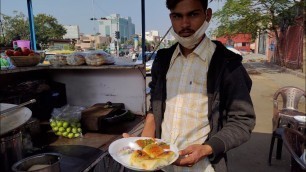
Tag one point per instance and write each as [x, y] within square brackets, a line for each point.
[13, 26]
[253, 16]
[46, 27]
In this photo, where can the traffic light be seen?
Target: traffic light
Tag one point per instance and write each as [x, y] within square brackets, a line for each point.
[117, 34]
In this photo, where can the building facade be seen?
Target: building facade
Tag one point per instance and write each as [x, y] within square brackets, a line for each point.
[241, 42]
[73, 32]
[113, 23]
[152, 35]
[92, 42]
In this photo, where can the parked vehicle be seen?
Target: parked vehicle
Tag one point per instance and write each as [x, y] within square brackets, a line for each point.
[150, 56]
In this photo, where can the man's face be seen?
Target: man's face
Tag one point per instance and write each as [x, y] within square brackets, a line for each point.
[187, 17]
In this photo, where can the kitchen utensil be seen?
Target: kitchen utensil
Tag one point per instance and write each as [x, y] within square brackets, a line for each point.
[2, 112]
[13, 119]
[45, 162]
[10, 151]
[75, 158]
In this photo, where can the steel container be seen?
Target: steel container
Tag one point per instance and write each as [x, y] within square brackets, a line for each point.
[10, 151]
[50, 159]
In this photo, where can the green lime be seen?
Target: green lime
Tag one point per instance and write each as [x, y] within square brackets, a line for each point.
[76, 135]
[61, 129]
[52, 124]
[65, 124]
[74, 130]
[79, 130]
[65, 134]
[59, 133]
[55, 128]
[59, 123]
[68, 129]
[70, 135]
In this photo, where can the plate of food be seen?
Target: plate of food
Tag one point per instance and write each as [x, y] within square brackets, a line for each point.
[300, 118]
[143, 153]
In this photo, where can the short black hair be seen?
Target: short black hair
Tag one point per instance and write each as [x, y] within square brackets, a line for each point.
[172, 3]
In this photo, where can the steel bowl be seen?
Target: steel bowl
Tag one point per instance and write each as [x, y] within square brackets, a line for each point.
[45, 162]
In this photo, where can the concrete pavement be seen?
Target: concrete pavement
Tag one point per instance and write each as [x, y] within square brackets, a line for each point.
[267, 78]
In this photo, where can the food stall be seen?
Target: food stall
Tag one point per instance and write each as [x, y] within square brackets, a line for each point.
[84, 86]
[79, 85]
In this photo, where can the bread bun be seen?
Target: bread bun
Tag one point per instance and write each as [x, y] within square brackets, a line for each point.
[153, 155]
[99, 57]
[142, 160]
[153, 150]
[76, 59]
[144, 142]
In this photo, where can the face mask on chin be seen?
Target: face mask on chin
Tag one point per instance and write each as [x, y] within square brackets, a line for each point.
[191, 41]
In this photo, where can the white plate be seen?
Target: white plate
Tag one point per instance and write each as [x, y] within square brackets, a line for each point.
[300, 118]
[116, 146]
[12, 120]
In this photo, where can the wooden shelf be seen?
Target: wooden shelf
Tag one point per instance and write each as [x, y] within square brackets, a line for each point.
[67, 67]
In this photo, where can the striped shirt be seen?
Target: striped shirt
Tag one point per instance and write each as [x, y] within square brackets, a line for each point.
[186, 115]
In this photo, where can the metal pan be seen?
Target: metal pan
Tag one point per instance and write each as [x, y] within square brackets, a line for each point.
[13, 119]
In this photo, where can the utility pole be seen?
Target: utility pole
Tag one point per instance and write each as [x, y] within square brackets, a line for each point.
[94, 25]
[118, 36]
[304, 41]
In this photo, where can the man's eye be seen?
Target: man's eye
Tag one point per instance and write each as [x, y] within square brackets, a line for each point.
[194, 14]
[176, 17]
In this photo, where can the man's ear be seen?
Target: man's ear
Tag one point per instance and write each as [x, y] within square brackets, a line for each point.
[208, 14]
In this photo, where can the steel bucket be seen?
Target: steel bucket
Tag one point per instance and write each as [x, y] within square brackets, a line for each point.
[10, 151]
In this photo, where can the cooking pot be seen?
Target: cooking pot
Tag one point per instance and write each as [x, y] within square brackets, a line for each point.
[45, 162]
[11, 151]
[10, 134]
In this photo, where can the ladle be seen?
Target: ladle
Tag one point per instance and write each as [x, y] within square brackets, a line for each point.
[17, 107]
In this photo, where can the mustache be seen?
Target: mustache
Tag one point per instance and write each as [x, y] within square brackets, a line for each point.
[186, 31]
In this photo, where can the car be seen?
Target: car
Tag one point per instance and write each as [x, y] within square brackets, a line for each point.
[150, 56]
[133, 56]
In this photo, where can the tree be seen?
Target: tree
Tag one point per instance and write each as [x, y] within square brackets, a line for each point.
[255, 17]
[15, 26]
[46, 27]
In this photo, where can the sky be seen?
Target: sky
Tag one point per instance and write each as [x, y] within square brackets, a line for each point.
[79, 12]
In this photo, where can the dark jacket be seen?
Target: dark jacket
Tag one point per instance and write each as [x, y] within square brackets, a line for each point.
[230, 109]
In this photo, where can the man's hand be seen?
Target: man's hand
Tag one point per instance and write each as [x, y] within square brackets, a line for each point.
[193, 154]
[126, 135]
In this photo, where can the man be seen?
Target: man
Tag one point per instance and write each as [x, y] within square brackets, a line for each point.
[200, 98]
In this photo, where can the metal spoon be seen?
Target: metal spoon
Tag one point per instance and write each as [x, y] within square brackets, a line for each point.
[17, 107]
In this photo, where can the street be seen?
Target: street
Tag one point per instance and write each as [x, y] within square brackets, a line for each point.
[253, 155]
